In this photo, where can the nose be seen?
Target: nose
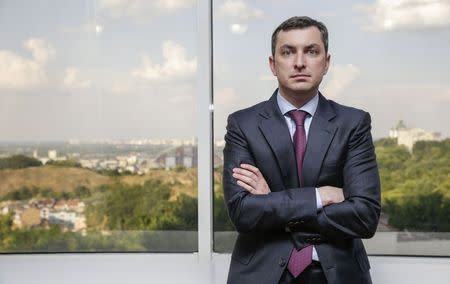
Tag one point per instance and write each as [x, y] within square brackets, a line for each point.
[299, 61]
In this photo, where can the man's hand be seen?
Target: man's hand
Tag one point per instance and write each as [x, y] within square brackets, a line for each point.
[251, 179]
[330, 195]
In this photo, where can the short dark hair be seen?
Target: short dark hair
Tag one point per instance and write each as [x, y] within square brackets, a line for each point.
[300, 23]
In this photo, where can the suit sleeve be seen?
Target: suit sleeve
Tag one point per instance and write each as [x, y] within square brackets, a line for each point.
[271, 212]
[357, 216]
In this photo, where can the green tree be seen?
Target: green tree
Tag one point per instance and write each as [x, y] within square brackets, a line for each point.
[19, 162]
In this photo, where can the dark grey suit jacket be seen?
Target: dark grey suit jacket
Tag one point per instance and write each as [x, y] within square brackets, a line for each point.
[339, 153]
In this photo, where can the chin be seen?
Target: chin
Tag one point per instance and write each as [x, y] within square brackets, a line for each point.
[301, 89]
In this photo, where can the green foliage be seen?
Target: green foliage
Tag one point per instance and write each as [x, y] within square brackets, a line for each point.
[114, 173]
[222, 221]
[56, 240]
[416, 186]
[64, 164]
[179, 169]
[144, 207]
[423, 212]
[81, 192]
[23, 193]
[19, 162]
[5, 229]
[110, 173]
[386, 142]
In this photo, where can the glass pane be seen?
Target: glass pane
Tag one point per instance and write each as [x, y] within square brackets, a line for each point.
[390, 60]
[98, 149]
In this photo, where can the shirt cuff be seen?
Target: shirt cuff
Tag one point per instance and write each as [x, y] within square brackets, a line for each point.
[318, 200]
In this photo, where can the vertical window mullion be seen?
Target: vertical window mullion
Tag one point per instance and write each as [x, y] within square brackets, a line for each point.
[205, 130]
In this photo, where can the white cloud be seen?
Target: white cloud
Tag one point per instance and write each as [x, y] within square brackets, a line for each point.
[340, 77]
[41, 50]
[174, 4]
[141, 8]
[225, 97]
[20, 73]
[95, 27]
[238, 29]
[176, 64]
[239, 10]
[239, 14]
[180, 99]
[120, 88]
[390, 15]
[72, 79]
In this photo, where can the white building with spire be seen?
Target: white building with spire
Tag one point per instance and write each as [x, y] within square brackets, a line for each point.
[409, 136]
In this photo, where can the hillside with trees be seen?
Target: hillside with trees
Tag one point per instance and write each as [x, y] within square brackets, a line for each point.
[130, 212]
[415, 185]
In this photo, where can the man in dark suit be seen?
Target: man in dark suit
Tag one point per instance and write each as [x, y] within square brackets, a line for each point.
[300, 177]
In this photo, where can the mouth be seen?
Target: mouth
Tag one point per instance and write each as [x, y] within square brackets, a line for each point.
[300, 76]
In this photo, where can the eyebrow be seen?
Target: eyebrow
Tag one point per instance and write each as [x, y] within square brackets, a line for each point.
[312, 45]
[287, 46]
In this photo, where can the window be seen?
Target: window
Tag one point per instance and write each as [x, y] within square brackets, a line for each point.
[388, 60]
[98, 149]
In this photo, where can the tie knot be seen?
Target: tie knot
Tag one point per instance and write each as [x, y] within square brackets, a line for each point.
[298, 116]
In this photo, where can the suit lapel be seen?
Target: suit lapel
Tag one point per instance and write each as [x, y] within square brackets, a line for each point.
[276, 132]
[321, 133]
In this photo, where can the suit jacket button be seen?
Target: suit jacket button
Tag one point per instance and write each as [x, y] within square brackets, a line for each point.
[282, 262]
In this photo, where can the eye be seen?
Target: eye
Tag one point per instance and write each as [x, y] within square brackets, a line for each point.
[286, 52]
[312, 51]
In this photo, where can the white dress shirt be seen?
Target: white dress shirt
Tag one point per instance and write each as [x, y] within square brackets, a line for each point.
[310, 107]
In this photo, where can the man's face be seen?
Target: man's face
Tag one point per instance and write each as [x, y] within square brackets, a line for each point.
[300, 61]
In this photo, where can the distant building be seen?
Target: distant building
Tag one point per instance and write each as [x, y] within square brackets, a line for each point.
[66, 213]
[109, 164]
[170, 162]
[185, 156]
[52, 155]
[70, 205]
[90, 164]
[132, 160]
[409, 136]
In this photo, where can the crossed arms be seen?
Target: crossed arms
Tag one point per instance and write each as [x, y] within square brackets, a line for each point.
[254, 206]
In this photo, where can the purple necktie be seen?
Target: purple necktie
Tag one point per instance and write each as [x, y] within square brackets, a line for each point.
[299, 259]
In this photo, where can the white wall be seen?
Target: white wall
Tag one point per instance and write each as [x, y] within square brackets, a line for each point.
[183, 268]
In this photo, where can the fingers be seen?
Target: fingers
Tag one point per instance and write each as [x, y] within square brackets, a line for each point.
[245, 179]
[251, 168]
[246, 173]
[246, 187]
[250, 178]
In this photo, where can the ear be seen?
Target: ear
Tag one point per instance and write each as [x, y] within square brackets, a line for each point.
[272, 65]
[327, 66]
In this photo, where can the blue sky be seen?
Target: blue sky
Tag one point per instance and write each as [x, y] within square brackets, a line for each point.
[121, 69]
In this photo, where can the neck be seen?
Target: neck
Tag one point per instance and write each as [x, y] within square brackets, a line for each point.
[298, 99]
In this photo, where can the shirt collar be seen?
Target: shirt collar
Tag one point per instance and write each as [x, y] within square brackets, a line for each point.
[285, 106]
